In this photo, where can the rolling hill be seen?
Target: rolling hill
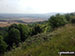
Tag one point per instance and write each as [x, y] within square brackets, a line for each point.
[47, 44]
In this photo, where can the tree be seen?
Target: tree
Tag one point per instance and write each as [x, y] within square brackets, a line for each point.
[13, 26]
[36, 29]
[14, 37]
[68, 17]
[3, 45]
[24, 31]
[57, 21]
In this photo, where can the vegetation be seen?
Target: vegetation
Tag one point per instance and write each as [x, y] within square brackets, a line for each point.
[47, 44]
[40, 39]
[57, 21]
[36, 29]
[24, 31]
[3, 45]
[14, 37]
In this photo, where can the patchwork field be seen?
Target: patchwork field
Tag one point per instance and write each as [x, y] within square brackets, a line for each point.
[4, 23]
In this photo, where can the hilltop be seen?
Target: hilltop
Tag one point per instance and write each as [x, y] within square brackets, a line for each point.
[47, 44]
[45, 38]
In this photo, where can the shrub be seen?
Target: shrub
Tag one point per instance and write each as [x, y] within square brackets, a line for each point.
[14, 37]
[36, 29]
[57, 21]
[3, 45]
[24, 31]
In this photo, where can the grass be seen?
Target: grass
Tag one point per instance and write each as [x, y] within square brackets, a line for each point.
[47, 44]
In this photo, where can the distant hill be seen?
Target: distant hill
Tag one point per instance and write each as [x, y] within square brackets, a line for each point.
[18, 16]
[8, 19]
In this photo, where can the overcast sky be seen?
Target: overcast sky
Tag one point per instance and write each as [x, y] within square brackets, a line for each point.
[36, 6]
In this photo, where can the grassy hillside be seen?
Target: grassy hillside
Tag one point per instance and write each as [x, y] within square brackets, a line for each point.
[47, 44]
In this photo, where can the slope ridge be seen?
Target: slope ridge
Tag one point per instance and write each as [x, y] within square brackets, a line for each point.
[47, 44]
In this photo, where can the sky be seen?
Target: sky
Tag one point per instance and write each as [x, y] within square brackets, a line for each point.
[36, 6]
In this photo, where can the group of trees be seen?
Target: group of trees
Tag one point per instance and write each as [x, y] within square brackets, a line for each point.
[17, 33]
[59, 20]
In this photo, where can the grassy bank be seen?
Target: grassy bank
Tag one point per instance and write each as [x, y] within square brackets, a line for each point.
[47, 44]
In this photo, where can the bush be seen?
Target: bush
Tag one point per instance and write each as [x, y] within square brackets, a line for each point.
[36, 29]
[24, 31]
[14, 37]
[3, 45]
[57, 21]
[13, 26]
[68, 17]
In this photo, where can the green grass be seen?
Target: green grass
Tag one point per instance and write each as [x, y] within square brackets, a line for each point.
[47, 44]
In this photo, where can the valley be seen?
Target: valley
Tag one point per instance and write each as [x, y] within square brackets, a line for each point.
[8, 22]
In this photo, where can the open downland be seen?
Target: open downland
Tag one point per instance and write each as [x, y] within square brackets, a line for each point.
[47, 44]
[6, 22]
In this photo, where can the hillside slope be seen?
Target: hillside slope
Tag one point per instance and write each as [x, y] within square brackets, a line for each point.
[47, 44]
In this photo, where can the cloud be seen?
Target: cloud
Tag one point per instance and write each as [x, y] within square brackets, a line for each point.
[36, 6]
